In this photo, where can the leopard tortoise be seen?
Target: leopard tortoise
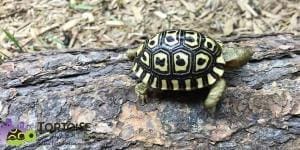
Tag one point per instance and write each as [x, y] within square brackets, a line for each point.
[184, 60]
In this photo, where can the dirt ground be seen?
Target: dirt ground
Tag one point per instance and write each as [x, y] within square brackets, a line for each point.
[54, 24]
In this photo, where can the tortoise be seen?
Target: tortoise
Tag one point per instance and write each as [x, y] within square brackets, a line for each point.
[185, 60]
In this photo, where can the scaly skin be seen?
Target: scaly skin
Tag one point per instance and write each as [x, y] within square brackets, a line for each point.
[141, 90]
[235, 57]
[214, 95]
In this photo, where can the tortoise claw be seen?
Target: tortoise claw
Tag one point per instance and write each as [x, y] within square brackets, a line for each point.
[141, 92]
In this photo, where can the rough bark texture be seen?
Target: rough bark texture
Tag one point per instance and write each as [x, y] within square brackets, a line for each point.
[259, 110]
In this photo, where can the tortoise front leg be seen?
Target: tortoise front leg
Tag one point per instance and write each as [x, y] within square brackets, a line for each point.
[214, 95]
[141, 90]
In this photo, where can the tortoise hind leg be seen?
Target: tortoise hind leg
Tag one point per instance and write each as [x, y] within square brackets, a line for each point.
[214, 95]
[141, 90]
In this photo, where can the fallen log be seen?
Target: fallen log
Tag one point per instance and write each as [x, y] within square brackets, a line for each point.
[259, 110]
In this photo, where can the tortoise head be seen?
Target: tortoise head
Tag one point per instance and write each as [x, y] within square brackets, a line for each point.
[235, 57]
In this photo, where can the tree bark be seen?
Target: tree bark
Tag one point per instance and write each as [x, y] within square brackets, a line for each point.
[260, 108]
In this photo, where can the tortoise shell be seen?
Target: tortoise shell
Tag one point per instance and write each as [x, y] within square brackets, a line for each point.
[179, 60]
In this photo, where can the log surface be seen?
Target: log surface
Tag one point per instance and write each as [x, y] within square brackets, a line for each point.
[260, 108]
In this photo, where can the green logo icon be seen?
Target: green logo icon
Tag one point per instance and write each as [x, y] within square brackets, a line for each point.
[17, 138]
[16, 135]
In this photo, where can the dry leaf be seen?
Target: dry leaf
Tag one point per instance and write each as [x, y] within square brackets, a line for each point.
[89, 16]
[250, 9]
[188, 6]
[5, 52]
[160, 14]
[228, 27]
[293, 21]
[114, 23]
[270, 15]
[70, 24]
[137, 13]
[256, 29]
[243, 4]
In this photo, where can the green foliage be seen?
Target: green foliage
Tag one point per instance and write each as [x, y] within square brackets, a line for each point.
[52, 38]
[12, 38]
[80, 6]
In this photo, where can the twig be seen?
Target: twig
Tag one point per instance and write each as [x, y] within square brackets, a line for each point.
[13, 13]
[41, 32]
[74, 37]
[239, 38]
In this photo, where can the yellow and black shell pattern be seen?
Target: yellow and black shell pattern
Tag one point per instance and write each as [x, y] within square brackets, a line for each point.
[179, 60]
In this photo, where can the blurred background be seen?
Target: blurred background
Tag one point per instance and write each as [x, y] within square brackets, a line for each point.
[34, 25]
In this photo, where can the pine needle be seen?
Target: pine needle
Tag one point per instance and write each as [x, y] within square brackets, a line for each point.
[13, 39]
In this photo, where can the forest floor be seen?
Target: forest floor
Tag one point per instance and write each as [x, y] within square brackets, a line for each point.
[260, 108]
[53, 24]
